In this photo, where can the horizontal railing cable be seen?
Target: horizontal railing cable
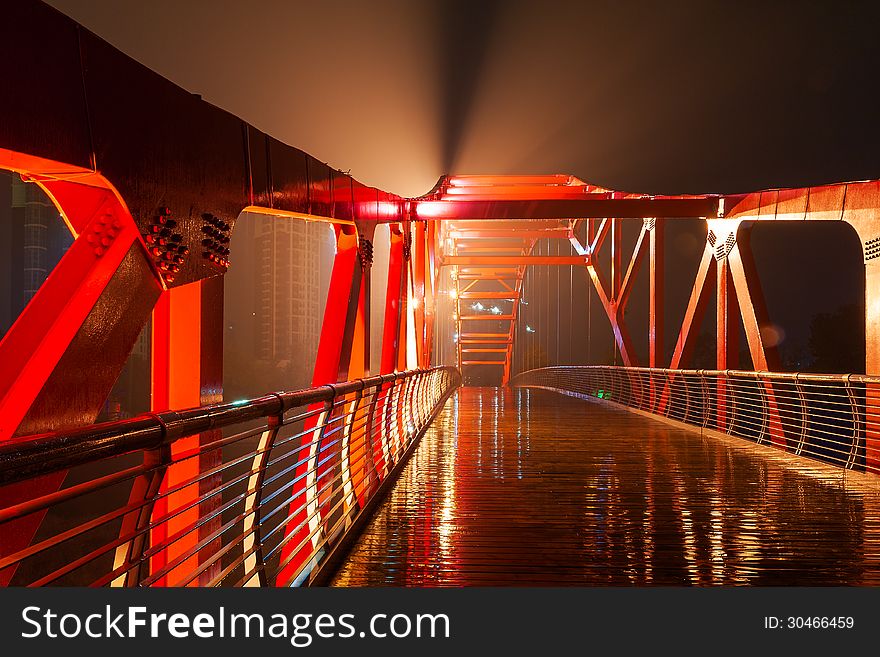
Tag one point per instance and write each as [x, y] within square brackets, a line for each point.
[249, 493]
[832, 418]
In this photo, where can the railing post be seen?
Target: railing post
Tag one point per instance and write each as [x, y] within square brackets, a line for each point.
[393, 419]
[187, 358]
[136, 523]
[349, 503]
[252, 545]
[872, 423]
[856, 424]
[411, 423]
[687, 397]
[733, 404]
[765, 411]
[370, 482]
[667, 375]
[704, 387]
[802, 402]
[312, 520]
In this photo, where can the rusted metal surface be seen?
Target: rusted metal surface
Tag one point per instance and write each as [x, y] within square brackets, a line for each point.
[519, 487]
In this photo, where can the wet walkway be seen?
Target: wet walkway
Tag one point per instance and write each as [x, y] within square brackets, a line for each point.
[520, 487]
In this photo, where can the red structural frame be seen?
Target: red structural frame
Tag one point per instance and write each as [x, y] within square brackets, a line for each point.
[65, 351]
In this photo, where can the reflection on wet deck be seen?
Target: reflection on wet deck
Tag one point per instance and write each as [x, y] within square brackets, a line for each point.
[519, 487]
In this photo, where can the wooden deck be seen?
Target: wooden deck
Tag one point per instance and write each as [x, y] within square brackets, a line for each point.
[519, 487]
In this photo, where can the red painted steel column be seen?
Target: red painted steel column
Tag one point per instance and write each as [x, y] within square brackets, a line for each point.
[753, 310]
[726, 338]
[656, 295]
[696, 310]
[419, 259]
[187, 371]
[727, 319]
[72, 323]
[613, 315]
[340, 312]
[693, 317]
[656, 300]
[394, 304]
[303, 533]
[430, 291]
[872, 364]
[862, 212]
[360, 461]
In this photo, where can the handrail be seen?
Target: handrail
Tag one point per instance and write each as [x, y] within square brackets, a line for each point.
[746, 374]
[829, 417]
[37, 454]
[255, 492]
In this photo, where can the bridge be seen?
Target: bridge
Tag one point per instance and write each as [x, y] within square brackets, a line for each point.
[453, 460]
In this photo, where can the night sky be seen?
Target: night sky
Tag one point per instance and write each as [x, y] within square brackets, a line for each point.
[642, 96]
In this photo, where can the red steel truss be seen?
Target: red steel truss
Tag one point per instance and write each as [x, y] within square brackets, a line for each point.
[116, 187]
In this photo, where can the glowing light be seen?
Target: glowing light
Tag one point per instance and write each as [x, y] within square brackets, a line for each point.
[415, 304]
[453, 293]
[386, 209]
[455, 337]
[431, 209]
[274, 212]
[529, 329]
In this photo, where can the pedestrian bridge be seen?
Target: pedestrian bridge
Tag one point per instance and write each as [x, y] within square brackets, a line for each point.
[573, 476]
[391, 468]
[529, 487]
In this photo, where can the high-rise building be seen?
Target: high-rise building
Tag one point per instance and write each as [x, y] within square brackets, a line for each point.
[33, 239]
[291, 257]
[275, 294]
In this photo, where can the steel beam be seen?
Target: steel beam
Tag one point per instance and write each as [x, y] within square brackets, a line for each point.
[752, 306]
[338, 331]
[187, 357]
[514, 234]
[488, 295]
[567, 209]
[524, 260]
[696, 309]
[509, 226]
[656, 295]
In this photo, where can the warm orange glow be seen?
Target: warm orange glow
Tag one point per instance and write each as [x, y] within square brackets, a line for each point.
[274, 212]
[432, 209]
[55, 202]
[176, 383]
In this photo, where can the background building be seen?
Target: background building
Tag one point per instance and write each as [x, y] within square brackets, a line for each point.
[276, 290]
[33, 238]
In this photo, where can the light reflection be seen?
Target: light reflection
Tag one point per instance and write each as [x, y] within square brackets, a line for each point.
[586, 494]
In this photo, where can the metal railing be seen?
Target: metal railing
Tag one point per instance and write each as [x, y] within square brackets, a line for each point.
[832, 418]
[251, 493]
